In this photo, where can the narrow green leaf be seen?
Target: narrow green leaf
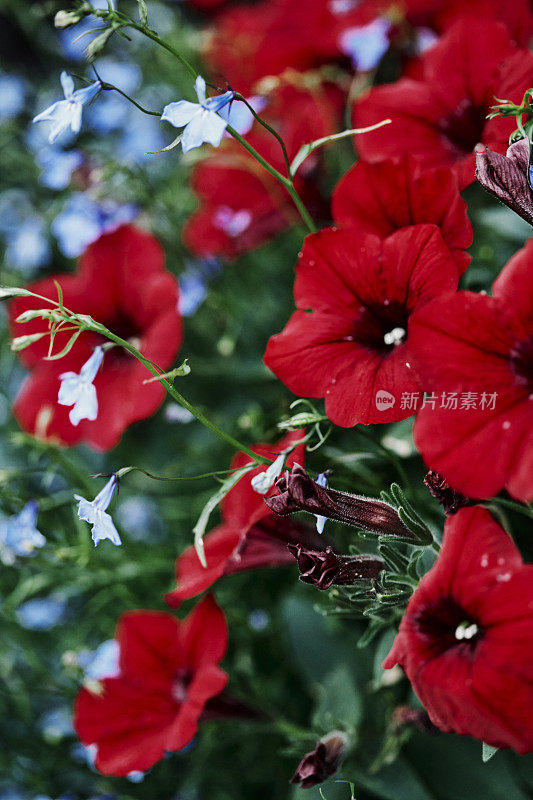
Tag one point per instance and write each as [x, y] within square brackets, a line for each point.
[11, 291]
[306, 149]
[67, 348]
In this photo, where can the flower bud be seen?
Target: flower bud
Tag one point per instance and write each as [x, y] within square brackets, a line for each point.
[508, 177]
[316, 766]
[299, 492]
[64, 19]
[323, 568]
[21, 342]
[300, 420]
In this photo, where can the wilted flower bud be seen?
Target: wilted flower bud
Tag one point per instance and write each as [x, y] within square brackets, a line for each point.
[418, 718]
[97, 44]
[316, 766]
[300, 420]
[299, 492]
[325, 568]
[508, 177]
[450, 500]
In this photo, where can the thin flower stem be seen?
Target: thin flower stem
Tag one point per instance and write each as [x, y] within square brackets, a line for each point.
[179, 397]
[286, 182]
[271, 130]
[109, 87]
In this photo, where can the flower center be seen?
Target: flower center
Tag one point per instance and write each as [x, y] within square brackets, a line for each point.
[522, 362]
[180, 684]
[381, 327]
[445, 625]
[463, 128]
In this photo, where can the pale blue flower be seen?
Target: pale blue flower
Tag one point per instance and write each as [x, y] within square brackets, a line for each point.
[41, 614]
[135, 776]
[194, 283]
[140, 517]
[425, 39]
[77, 389]
[366, 44]
[176, 413]
[112, 111]
[27, 245]
[57, 166]
[83, 220]
[263, 481]
[94, 512]
[200, 121]
[19, 534]
[12, 91]
[233, 223]
[56, 724]
[65, 114]
[320, 520]
[258, 620]
[102, 662]
[73, 40]
[239, 116]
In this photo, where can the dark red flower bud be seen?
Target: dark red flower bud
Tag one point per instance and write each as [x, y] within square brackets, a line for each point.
[323, 568]
[417, 717]
[299, 492]
[506, 177]
[316, 766]
[441, 490]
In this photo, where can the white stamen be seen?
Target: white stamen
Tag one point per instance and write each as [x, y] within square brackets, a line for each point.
[466, 631]
[395, 336]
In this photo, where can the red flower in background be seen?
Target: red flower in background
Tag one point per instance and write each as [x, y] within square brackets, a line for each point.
[168, 672]
[481, 348]
[383, 197]
[121, 282]
[354, 348]
[250, 535]
[440, 117]
[465, 639]
[242, 205]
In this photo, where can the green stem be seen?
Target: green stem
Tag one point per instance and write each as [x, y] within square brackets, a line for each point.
[179, 397]
[286, 182]
[527, 511]
[271, 130]
[109, 87]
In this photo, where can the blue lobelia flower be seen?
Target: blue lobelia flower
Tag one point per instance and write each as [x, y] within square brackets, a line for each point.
[320, 520]
[102, 662]
[19, 535]
[200, 121]
[94, 512]
[83, 220]
[65, 114]
[366, 44]
[78, 391]
[57, 166]
[27, 245]
[41, 614]
[12, 91]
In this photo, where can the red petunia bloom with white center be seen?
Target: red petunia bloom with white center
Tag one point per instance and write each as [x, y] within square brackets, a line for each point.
[121, 282]
[465, 638]
[480, 350]
[168, 672]
[441, 116]
[349, 340]
[250, 535]
[380, 198]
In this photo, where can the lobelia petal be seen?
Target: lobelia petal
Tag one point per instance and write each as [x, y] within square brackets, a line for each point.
[180, 113]
[67, 82]
[86, 406]
[199, 86]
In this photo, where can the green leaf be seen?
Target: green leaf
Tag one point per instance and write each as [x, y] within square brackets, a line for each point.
[11, 291]
[306, 149]
[212, 503]
[487, 751]
[339, 701]
[66, 349]
[143, 12]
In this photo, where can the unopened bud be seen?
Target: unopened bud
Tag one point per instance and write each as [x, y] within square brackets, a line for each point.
[299, 492]
[300, 421]
[316, 766]
[450, 500]
[508, 177]
[21, 342]
[323, 568]
[97, 44]
[64, 19]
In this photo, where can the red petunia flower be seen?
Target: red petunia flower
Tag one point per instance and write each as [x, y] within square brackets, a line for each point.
[168, 672]
[441, 117]
[383, 197]
[250, 536]
[476, 352]
[465, 638]
[354, 348]
[121, 282]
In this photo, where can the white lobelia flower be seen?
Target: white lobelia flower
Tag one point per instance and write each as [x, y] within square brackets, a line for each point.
[65, 114]
[320, 520]
[77, 390]
[200, 121]
[263, 481]
[94, 512]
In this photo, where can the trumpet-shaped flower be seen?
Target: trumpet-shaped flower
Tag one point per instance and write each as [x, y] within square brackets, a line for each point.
[77, 389]
[200, 121]
[19, 534]
[65, 114]
[94, 512]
